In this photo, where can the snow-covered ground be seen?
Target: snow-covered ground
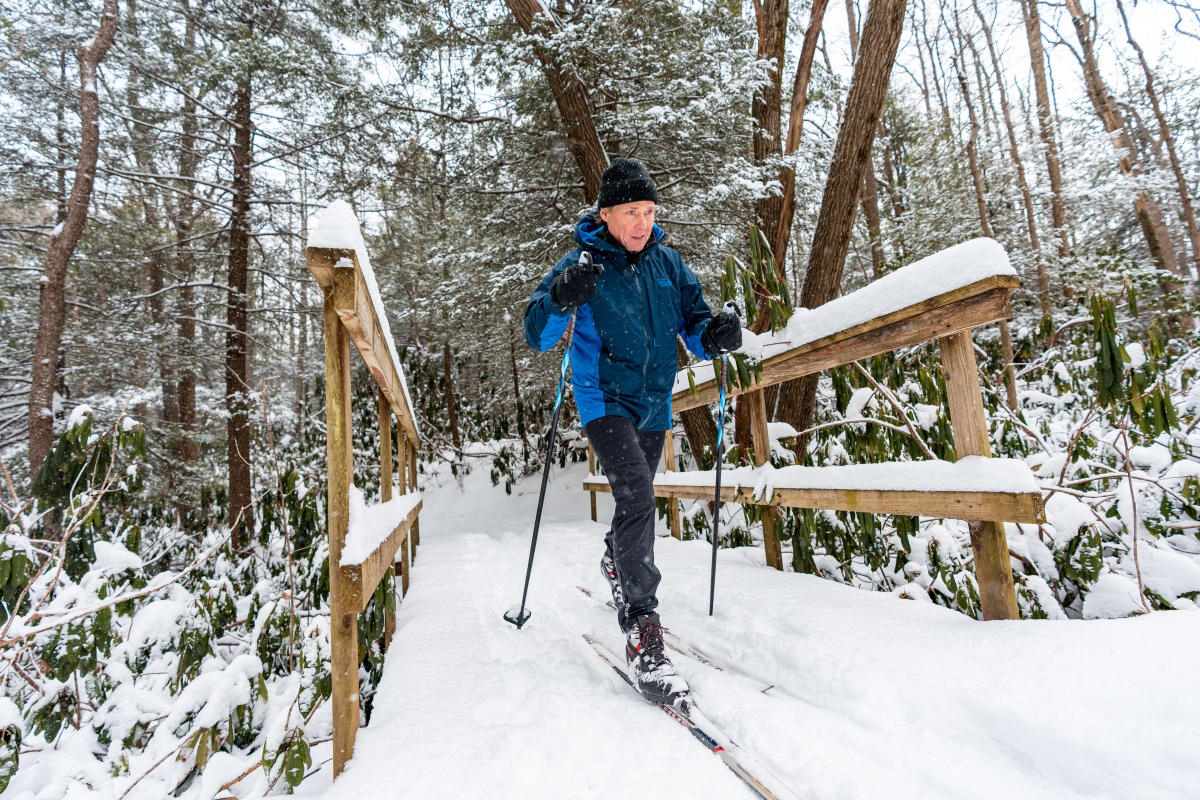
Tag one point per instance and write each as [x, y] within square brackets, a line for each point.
[872, 696]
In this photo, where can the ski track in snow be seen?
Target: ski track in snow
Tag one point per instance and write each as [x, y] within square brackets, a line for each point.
[875, 696]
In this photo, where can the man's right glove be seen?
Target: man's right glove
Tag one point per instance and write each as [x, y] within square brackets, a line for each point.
[576, 284]
[723, 334]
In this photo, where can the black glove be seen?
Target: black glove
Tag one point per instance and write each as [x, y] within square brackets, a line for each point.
[724, 333]
[576, 284]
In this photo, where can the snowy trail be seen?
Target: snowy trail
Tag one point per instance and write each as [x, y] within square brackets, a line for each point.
[875, 696]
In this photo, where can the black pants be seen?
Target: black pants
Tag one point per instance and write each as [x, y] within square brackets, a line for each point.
[630, 458]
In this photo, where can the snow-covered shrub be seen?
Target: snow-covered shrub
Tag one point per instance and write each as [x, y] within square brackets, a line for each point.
[134, 634]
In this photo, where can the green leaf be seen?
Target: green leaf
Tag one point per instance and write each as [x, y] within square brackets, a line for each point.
[10, 754]
[297, 762]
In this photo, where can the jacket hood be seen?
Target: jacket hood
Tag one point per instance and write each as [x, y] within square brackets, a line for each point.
[587, 234]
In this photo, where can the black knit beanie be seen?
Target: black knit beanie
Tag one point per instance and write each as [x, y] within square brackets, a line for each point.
[625, 181]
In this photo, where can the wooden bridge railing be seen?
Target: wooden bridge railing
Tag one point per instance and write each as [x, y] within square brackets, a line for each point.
[942, 298]
[360, 556]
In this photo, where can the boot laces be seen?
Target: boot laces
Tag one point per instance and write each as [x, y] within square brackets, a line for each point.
[650, 642]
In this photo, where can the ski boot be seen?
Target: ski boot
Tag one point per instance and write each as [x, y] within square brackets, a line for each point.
[653, 673]
[609, 568]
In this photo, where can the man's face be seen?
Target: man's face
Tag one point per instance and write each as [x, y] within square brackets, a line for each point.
[630, 223]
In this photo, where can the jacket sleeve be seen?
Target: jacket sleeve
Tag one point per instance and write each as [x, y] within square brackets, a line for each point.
[545, 323]
[694, 313]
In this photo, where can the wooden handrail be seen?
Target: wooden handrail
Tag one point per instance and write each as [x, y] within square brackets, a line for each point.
[952, 504]
[364, 577]
[970, 306]
[338, 271]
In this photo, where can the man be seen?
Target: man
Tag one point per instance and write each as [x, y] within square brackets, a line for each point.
[631, 302]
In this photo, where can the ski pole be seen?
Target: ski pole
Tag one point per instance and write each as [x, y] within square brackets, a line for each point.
[712, 584]
[522, 616]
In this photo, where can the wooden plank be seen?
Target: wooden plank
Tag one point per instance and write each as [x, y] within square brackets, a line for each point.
[762, 455]
[592, 469]
[402, 457]
[403, 565]
[993, 571]
[340, 460]
[357, 313]
[967, 416]
[1008, 506]
[862, 342]
[367, 575]
[320, 264]
[672, 504]
[385, 494]
[412, 481]
[385, 449]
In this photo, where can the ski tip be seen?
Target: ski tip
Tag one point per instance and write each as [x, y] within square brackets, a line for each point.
[517, 617]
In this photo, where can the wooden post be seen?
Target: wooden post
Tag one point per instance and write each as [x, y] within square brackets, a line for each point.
[672, 503]
[385, 449]
[415, 535]
[592, 471]
[385, 494]
[340, 456]
[997, 595]
[403, 489]
[402, 480]
[762, 455]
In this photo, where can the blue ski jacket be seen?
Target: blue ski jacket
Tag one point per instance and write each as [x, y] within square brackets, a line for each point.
[623, 358]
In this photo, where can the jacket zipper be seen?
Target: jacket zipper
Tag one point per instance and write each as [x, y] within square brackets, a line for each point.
[642, 277]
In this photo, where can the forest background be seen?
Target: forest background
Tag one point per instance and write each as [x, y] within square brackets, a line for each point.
[161, 396]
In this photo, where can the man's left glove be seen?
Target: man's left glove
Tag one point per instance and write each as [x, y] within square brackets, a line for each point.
[576, 284]
[723, 334]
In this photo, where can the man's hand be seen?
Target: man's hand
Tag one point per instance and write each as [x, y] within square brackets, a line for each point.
[577, 283]
[724, 333]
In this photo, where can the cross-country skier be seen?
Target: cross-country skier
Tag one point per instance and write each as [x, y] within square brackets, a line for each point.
[632, 301]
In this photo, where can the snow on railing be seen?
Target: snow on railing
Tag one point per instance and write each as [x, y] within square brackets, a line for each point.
[943, 272]
[336, 227]
[371, 525]
[970, 474]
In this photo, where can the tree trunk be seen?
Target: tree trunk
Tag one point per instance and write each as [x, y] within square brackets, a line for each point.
[1014, 154]
[61, 198]
[186, 448]
[237, 372]
[985, 224]
[142, 142]
[697, 424]
[864, 106]
[1185, 200]
[448, 388]
[571, 96]
[771, 17]
[1033, 33]
[1149, 215]
[52, 314]
[869, 192]
[787, 176]
[895, 185]
[779, 230]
